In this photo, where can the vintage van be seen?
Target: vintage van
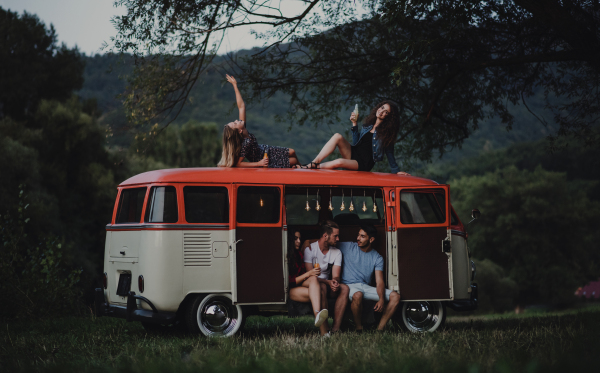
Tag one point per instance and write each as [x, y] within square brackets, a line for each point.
[206, 247]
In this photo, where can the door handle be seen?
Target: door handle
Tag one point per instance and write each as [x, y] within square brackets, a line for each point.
[446, 246]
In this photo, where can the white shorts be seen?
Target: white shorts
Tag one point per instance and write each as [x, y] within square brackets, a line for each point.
[369, 292]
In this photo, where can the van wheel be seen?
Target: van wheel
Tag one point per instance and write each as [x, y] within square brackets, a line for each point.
[423, 316]
[215, 316]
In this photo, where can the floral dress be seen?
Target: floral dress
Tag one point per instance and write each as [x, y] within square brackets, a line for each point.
[279, 157]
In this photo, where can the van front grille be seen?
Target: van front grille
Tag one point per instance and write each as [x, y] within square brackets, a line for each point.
[197, 249]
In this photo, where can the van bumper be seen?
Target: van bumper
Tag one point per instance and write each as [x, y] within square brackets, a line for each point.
[467, 304]
[131, 312]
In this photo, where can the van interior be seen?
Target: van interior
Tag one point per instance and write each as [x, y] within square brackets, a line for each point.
[349, 207]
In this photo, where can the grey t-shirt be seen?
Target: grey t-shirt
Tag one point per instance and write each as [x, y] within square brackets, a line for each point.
[358, 266]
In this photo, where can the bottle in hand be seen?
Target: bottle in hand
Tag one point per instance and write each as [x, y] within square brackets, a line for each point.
[266, 156]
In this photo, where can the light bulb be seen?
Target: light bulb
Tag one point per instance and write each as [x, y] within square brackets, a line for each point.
[318, 207]
[351, 208]
[364, 208]
[261, 202]
[374, 207]
[330, 206]
[342, 207]
[307, 206]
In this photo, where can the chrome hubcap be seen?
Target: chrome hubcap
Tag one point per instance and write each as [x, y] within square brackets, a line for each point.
[218, 316]
[422, 316]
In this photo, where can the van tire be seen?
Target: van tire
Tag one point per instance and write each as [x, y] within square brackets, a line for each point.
[215, 315]
[421, 316]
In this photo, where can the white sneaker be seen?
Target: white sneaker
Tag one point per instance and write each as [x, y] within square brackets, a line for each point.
[321, 317]
[326, 335]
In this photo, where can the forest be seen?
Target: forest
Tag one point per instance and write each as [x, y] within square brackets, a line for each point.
[66, 143]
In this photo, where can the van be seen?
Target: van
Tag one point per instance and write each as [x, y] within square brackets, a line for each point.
[206, 247]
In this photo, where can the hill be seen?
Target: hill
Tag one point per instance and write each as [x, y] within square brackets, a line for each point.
[212, 101]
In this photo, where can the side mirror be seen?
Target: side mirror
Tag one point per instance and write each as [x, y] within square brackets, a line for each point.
[475, 214]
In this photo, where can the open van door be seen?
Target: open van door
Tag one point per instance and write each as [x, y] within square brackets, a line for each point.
[423, 239]
[257, 265]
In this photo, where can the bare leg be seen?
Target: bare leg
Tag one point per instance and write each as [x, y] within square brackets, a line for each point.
[356, 307]
[389, 310]
[340, 307]
[349, 164]
[338, 141]
[314, 293]
[325, 326]
[293, 157]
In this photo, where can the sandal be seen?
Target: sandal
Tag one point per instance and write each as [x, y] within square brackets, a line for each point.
[299, 166]
[313, 165]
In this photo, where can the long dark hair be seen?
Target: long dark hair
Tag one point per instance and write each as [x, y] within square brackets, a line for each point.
[291, 250]
[387, 131]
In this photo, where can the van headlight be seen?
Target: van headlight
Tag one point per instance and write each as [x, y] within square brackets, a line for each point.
[473, 270]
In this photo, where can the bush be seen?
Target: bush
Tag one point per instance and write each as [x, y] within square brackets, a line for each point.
[35, 279]
[536, 225]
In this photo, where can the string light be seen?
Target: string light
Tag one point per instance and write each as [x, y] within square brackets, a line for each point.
[351, 208]
[330, 204]
[374, 203]
[343, 206]
[318, 207]
[262, 203]
[307, 208]
[364, 208]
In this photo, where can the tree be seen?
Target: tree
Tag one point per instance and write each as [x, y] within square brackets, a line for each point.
[449, 64]
[175, 41]
[32, 66]
[192, 144]
[536, 225]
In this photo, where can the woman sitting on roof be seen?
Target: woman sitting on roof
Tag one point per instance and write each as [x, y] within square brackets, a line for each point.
[376, 138]
[238, 143]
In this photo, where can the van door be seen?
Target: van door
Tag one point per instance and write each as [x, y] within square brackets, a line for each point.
[258, 258]
[423, 239]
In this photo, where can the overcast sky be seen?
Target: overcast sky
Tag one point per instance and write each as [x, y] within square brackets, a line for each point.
[86, 23]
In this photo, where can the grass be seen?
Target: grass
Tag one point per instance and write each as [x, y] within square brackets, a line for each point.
[541, 342]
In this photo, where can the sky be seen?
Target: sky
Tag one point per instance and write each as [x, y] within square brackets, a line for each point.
[86, 23]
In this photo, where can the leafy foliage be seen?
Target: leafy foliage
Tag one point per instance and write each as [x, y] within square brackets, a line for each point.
[536, 225]
[48, 71]
[34, 282]
[193, 144]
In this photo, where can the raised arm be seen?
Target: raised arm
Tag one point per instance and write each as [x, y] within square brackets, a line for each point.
[238, 97]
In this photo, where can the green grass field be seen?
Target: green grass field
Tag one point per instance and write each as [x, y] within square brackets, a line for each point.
[558, 342]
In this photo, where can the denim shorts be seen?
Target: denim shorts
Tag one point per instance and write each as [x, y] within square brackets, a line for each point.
[369, 292]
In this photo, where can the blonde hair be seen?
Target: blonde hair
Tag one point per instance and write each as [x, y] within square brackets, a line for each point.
[232, 147]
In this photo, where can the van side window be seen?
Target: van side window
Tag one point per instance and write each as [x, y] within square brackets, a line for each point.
[295, 207]
[130, 206]
[258, 205]
[423, 207]
[204, 204]
[162, 205]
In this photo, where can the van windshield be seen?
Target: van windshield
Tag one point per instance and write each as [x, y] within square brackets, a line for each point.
[130, 205]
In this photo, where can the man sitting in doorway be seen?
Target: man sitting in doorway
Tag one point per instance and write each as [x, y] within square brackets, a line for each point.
[329, 258]
[360, 261]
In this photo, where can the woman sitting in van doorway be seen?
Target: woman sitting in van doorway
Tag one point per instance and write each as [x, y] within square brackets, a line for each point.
[238, 143]
[304, 286]
[376, 137]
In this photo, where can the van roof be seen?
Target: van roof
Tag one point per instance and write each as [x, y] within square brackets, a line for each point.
[224, 175]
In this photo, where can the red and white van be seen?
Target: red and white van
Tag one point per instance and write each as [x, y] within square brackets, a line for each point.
[184, 244]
